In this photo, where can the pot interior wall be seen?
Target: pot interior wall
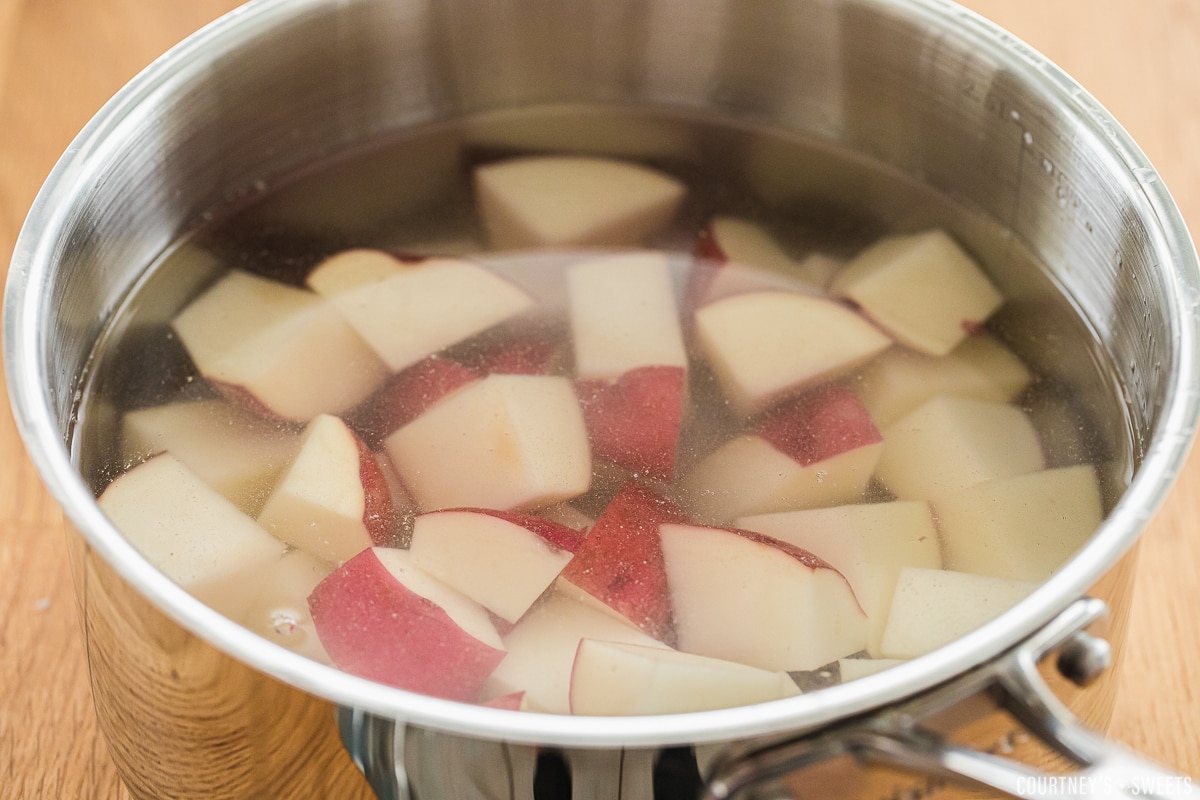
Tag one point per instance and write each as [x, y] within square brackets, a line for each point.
[261, 103]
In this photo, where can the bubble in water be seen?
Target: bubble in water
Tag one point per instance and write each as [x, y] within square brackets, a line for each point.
[1048, 165]
[285, 624]
[1027, 137]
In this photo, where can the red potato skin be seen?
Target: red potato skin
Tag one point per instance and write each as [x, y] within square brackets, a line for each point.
[407, 395]
[374, 627]
[634, 421]
[805, 557]
[621, 561]
[378, 507]
[819, 424]
[709, 258]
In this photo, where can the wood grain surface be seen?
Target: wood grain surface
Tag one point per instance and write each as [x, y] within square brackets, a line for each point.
[61, 59]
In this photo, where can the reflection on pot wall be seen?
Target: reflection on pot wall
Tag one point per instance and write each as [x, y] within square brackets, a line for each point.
[183, 720]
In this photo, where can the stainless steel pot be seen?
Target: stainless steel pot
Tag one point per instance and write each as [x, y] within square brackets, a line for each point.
[195, 706]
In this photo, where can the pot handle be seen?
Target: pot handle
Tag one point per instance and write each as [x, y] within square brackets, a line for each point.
[901, 737]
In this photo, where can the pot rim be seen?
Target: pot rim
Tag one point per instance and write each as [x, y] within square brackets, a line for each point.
[24, 317]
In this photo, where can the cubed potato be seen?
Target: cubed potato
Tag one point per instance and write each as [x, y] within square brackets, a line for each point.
[762, 345]
[565, 201]
[238, 453]
[382, 618]
[193, 535]
[623, 315]
[1023, 527]
[407, 311]
[818, 449]
[949, 443]
[869, 543]
[541, 650]
[504, 442]
[277, 349]
[616, 679]
[901, 379]
[744, 597]
[933, 607]
[922, 288]
[333, 501]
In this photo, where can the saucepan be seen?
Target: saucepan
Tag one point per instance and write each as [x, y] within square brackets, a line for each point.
[193, 705]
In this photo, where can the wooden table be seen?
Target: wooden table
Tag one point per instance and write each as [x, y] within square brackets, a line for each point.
[59, 61]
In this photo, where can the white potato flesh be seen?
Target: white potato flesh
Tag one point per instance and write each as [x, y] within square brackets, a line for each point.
[949, 443]
[564, 201]
[901, 379]
[933, 607]
[614, 679]
[288, 349]
[763, 344]
[464, 548]
[752, 601]
[232, 450]
[407, 311]
[868, 543]
[1023, 527]
[623, 315]
[747, 475]
[755, 260]
[193, 535]
[503, 442]
[923, 289]
[462, 611]
[319, 504]
[541, 650]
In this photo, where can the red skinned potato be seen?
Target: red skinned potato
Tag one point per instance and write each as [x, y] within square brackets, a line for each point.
[463, 548]
[277, 350]
[408, 394]
[869, 543]
[741, 596]
[541, 650]
[410, 310]
[736, 255]
[619, 566]
[817, 449]
[380, 617]
[634, 421]
[922, 288]
[333, 501]
[506, 442]
[764, 345]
